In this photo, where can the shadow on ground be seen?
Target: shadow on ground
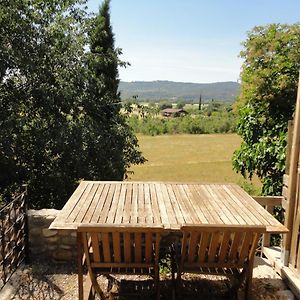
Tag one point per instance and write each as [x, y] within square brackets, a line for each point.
[42, 281]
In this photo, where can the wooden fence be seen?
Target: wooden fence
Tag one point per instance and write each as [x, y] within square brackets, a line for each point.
[13, 237]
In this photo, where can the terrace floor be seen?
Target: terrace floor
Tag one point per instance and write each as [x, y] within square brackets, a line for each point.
[40, 281]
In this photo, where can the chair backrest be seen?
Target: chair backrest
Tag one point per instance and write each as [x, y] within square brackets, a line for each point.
[120, 245]
[219, 245]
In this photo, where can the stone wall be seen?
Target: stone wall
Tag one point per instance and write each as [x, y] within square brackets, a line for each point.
[56, 245]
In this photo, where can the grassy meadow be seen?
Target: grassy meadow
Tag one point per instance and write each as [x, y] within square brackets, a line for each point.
[188, 158]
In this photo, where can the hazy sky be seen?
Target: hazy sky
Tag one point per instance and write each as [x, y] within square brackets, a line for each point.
[189, 40]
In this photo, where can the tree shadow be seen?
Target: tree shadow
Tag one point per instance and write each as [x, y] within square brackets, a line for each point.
[41, 280]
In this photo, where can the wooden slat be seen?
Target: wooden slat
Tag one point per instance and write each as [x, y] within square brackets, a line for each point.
[86, 204]
[156, 215]
[134, 205]
[101, 200]
[95, 245]
[213, 246]
[71, 204]
[121, 204]
[183, 247]
[245, 211]
[127, 206]
[235, 245]
[116, 246]
[115, 202]
[224, 245]
[217, 205]
[168, 204]
[199, 202]
[78, 205]
[248, 241]
[175, 206]
[106, 246]
[285, 179]
[225, 203]
[257, 211]
[269, 200]
[108, 200]
[193, 241]
[149, 218]
[138, 247]
[148, 247]
[183, 203]
[202, 213]
[202, 246]
[141, 204]
[289, 240]
[95, 202]
[289, 145]
[285, 192]
[127, 247]
[162, 207]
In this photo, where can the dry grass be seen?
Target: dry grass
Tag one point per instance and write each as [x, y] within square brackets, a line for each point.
[194, 158]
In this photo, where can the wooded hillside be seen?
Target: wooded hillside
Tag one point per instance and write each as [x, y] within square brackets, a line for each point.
[157, 90]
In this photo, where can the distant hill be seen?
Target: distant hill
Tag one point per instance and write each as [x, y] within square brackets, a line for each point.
[157, 90]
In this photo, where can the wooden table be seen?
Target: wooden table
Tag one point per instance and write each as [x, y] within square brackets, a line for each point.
[168, 204]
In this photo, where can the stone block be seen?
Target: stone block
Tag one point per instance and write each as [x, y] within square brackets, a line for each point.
[52, 240]
[66, 247]
[49, 233]
[74, 234]
[42, 217]
[63, 255]
[68, 240]
[38, 251]
[284, 295]
[43, 212]
[64, 232]
[51, 247]
[35, 231]
[50, 218]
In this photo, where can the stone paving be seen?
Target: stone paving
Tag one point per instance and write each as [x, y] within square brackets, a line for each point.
[59, 281]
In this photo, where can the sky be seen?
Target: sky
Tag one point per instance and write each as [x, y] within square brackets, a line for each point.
[189, 40]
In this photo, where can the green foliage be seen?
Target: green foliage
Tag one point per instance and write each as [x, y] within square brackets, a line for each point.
[180, 104]
[221, 122]
[60, 119]
[266, 103]
[165, 104]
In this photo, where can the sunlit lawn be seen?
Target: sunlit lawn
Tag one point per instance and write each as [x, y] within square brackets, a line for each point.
[188, 158]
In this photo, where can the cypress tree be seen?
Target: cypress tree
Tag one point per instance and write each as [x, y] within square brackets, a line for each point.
[200, 102]
[118, 147]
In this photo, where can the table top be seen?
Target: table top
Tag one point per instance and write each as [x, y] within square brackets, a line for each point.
[161, 203]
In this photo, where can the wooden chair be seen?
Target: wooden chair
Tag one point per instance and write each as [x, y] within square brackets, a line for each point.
[220, 250]
[116, 249]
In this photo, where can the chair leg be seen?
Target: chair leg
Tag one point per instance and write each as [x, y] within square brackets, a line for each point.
[88, 291]
[248, 284]
[96, 286]
[248, 281]
[157, 282]
[80, 268]
[176, 290]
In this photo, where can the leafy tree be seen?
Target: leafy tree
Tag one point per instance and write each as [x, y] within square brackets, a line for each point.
[266, 102]
[40, 81]
[164, 104]
[58, 120]
[180, 104]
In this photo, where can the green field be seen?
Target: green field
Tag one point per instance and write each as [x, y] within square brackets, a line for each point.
[188, 158]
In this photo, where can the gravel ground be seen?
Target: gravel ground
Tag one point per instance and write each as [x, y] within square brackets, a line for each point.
[40, 281]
